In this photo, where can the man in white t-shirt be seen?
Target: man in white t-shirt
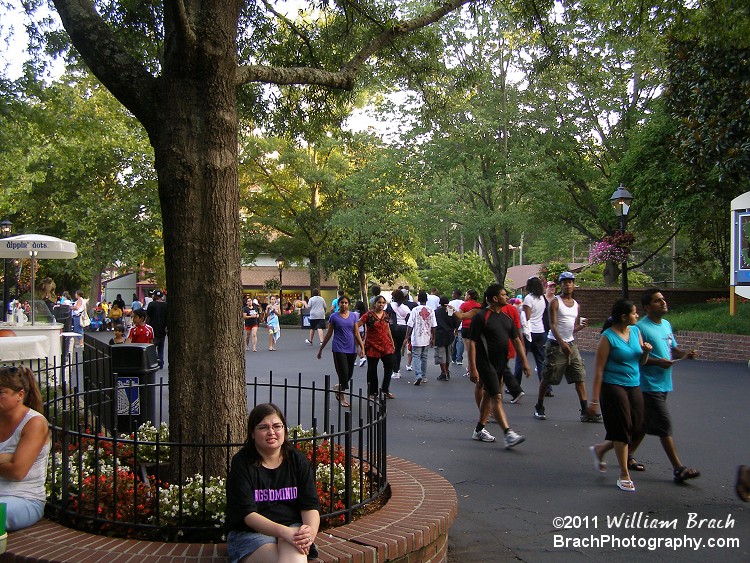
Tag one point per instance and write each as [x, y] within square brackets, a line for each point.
[420, 328]
[433, 299]
[317, 316]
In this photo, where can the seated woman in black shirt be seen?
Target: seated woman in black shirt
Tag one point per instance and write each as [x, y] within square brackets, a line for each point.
[272, 501]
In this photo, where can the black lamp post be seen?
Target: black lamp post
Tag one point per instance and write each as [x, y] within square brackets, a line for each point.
[5, 228]
[621, 201]
[280, 265]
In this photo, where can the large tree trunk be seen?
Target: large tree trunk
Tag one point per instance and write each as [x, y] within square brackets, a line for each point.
[195, 142]
[190, 113]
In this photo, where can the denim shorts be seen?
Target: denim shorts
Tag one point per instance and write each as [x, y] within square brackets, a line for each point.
[242, 544]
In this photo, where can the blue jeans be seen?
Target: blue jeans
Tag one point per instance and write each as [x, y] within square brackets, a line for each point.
[419, 360]
[458, 349]
[21, 512]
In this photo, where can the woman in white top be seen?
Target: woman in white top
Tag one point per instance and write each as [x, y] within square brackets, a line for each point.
[534, 308]
[24, 447]
[76, 311]
[400, 313]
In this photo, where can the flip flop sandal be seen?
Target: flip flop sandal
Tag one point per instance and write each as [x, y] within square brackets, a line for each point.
[683, 474]
[599, 465]
[626, 485]
[634, 465]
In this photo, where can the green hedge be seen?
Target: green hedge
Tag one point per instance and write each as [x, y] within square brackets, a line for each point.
[290, 319]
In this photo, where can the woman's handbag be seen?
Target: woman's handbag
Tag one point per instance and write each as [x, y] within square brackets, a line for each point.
[85, 320]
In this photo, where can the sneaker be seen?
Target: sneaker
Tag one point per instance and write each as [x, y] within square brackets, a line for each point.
[442, 377]
[539, 413]
[408, 367]
[453, 361]
[459, 363]
[512, 439]
[549, 393]
[396, 375]
[308, 342]
[466, 374]
[482, 436]
[517, 398]
[586, 417]
[362, 362]
[418, 381]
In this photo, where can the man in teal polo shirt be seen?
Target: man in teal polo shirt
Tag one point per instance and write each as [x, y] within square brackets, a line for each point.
[656, 381]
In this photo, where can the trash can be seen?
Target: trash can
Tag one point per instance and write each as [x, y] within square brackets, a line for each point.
[63, 316]
[304, 317]
[133, 369]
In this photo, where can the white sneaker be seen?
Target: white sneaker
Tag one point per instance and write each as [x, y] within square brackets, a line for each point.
[484, 436]
[308, 342]
[362, 362]
[512, 439]
[408, 367]
[395, 375]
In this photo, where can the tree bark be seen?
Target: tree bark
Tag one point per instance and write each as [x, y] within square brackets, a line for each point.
[190, 114]
[195, 144]
[611, 273]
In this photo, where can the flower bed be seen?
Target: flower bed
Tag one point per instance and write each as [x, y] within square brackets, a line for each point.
[114, 485]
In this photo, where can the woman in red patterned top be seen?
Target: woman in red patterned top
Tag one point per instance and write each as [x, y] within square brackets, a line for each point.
[378, 346]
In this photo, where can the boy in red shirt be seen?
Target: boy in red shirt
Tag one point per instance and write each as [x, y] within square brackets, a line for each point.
[141, 333]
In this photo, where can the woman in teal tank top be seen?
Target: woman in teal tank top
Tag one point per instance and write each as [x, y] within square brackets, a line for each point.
[619, 354]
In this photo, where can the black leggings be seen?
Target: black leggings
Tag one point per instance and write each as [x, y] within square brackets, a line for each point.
[344, 364]
[372, 373]
[399, 334]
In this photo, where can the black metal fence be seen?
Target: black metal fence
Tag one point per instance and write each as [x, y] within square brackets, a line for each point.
[103, 479]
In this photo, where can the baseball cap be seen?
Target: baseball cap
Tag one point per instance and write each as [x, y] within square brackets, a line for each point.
[158, 293]
[566, 276]
[551, 283]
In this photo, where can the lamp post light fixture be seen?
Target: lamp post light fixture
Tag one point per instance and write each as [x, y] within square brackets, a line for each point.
[5, 229]
[280, 262]
[621, 201]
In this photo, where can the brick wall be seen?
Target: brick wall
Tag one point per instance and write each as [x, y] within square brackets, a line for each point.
[596, 303]
[711, 346]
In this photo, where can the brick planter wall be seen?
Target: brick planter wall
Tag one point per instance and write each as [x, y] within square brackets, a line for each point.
[596, 303]
[412, 527]
[711, 346]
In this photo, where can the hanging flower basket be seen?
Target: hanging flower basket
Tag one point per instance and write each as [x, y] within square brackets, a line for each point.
[612, 248]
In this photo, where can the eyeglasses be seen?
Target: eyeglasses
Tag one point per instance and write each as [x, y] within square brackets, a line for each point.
[278, 427]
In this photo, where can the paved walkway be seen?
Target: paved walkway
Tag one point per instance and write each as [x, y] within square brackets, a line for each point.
[509, 499]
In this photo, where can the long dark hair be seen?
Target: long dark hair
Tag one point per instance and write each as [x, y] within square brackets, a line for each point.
[621, 307]
[260, 412]
[534, 286]
[21, 378]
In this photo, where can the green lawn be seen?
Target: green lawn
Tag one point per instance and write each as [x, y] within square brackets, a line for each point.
[711, 317]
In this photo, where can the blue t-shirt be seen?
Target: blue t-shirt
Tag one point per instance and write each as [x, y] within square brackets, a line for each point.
[622, 363]
[655, 379]
[343, 332]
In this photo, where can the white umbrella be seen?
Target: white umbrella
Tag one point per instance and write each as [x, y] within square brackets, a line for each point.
[35, 247]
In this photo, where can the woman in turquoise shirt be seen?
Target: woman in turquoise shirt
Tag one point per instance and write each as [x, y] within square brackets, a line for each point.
[619, 354]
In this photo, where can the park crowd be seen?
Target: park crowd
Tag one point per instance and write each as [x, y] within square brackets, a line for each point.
[496, 336]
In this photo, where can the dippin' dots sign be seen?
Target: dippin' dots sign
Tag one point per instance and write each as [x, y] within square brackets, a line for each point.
[14, 245]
